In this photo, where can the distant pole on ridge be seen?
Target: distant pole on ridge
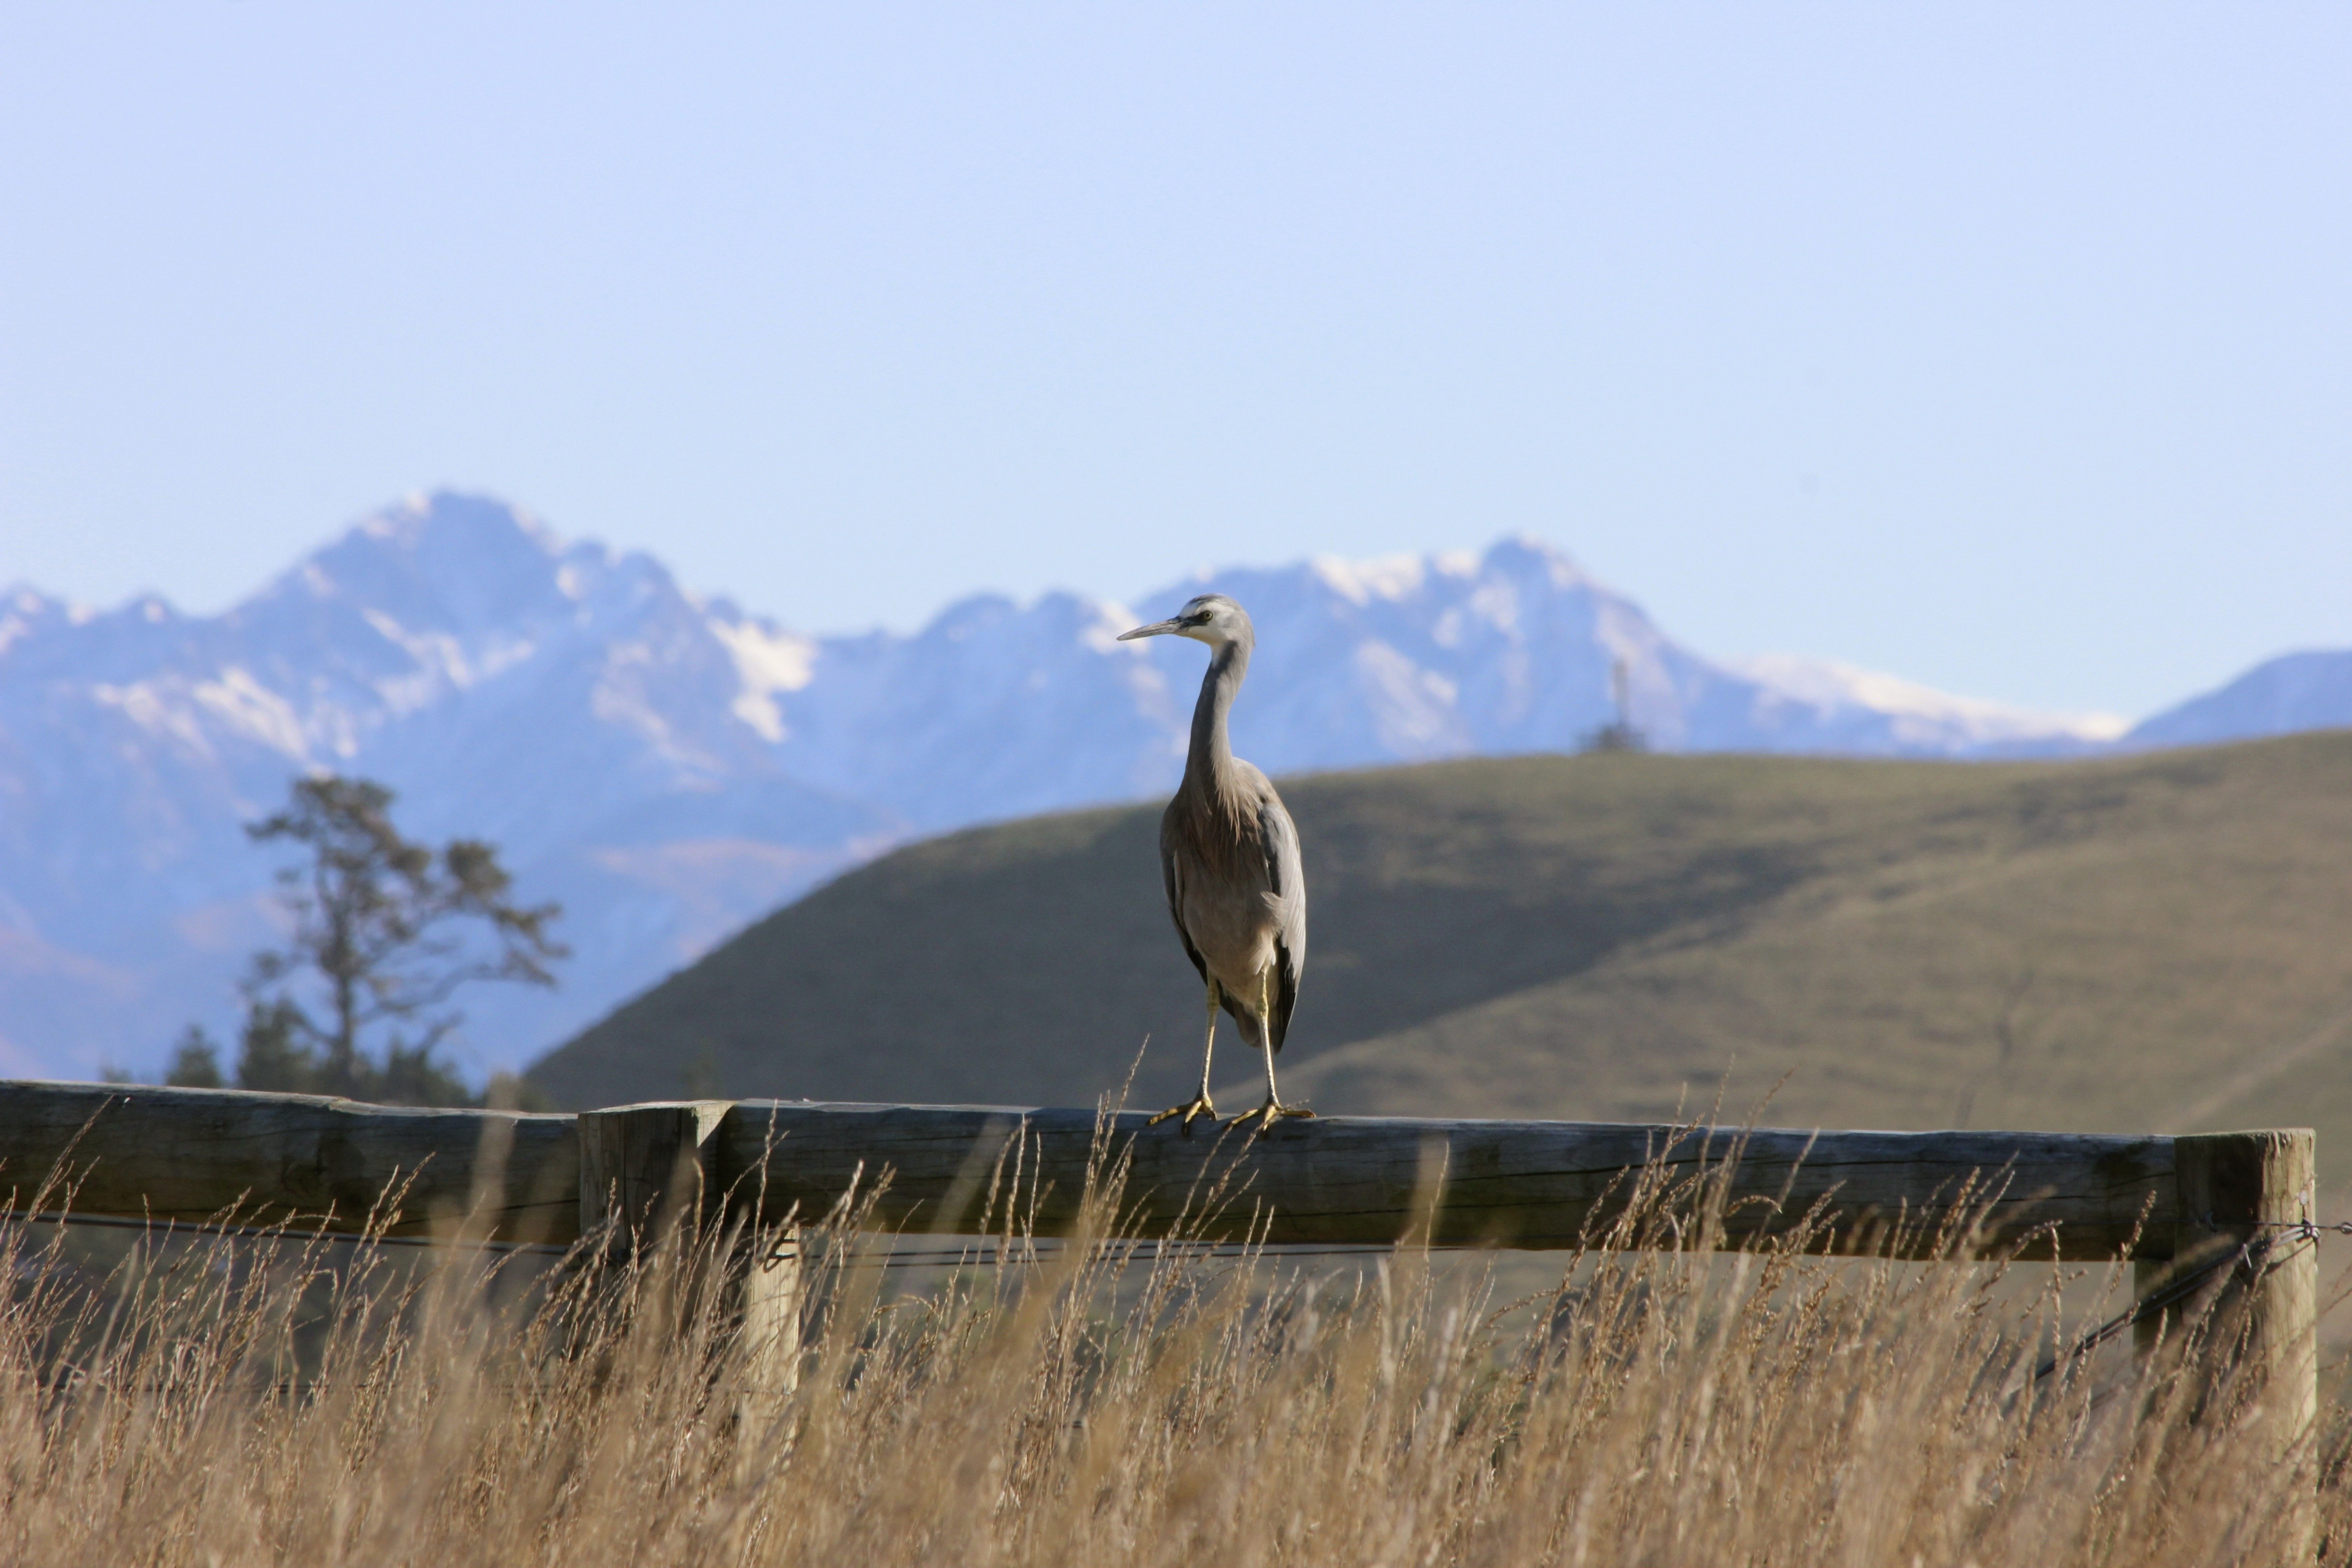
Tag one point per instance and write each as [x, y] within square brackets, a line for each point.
[1618, 735]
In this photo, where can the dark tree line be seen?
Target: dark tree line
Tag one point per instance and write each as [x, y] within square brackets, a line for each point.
[386, 930]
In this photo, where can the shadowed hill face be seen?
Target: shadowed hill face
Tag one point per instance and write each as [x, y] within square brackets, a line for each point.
[1043, 948]
[2155, 943]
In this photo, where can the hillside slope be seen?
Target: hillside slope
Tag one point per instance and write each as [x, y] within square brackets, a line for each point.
[2159, 942]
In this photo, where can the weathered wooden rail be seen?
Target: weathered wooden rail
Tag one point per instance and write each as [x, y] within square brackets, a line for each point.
[2175, 1204]
[185, 1154]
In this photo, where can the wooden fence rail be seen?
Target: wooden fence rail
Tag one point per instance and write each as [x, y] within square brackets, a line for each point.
[186, 1155]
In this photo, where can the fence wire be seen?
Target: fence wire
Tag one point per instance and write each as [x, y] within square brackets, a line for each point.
[990, 1250]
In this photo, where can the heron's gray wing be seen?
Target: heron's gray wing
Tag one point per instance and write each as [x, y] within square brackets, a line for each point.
[1171, 876]
[1287, 875]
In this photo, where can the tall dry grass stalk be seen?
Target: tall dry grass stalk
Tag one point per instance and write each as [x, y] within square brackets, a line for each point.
[265, 1399]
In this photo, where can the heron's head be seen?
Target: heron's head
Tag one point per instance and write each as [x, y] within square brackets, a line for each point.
[1211, 618]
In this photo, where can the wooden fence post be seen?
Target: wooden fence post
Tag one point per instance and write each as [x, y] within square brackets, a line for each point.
[650, 1167]
[645, 1166]
[2239, 1196]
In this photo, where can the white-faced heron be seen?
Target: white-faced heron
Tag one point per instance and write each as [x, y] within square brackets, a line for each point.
[1229, 856]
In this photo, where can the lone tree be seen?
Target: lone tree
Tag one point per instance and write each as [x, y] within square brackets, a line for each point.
[386, 930]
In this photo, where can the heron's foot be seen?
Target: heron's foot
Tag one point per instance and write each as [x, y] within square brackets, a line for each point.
[1199, 1107]
[1269, 1113]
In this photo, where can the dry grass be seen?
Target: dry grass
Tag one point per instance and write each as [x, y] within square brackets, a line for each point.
[268, 1400]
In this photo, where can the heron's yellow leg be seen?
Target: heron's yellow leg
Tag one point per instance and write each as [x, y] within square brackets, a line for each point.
[1272, 1107]
[1202, 1105]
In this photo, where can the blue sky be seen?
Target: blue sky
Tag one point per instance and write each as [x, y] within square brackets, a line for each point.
[2007, 348]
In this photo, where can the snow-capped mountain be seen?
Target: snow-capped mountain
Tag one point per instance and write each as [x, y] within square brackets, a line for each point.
[1513, 651]
[669, 767]
[1864, 712]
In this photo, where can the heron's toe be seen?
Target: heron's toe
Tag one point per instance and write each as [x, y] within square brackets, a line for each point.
[1270, 1112]
[1201, 1106]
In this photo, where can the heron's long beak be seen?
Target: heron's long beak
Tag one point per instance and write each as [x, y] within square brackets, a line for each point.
[1157, 628]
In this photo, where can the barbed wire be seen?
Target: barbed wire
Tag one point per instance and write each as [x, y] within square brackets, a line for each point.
[172, 1228]
[2253, 1256]
[987, 1251]
[983, 1251]
[2309, 1229]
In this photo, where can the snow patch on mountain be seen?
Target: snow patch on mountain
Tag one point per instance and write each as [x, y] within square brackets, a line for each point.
[1920, 714]
[768, 660]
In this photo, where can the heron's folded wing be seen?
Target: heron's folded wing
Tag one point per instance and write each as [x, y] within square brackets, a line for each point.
[1287, 875]
[1171, 876]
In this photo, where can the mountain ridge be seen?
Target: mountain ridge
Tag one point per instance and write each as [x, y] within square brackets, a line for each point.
[669, 766]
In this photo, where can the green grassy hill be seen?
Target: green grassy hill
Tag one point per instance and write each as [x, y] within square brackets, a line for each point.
[2157, 942]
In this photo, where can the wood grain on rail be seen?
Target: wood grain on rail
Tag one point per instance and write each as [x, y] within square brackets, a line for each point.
[1534, 1184]
[185, 1154]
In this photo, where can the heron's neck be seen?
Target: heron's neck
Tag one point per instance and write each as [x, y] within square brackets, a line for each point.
[1209, 763]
